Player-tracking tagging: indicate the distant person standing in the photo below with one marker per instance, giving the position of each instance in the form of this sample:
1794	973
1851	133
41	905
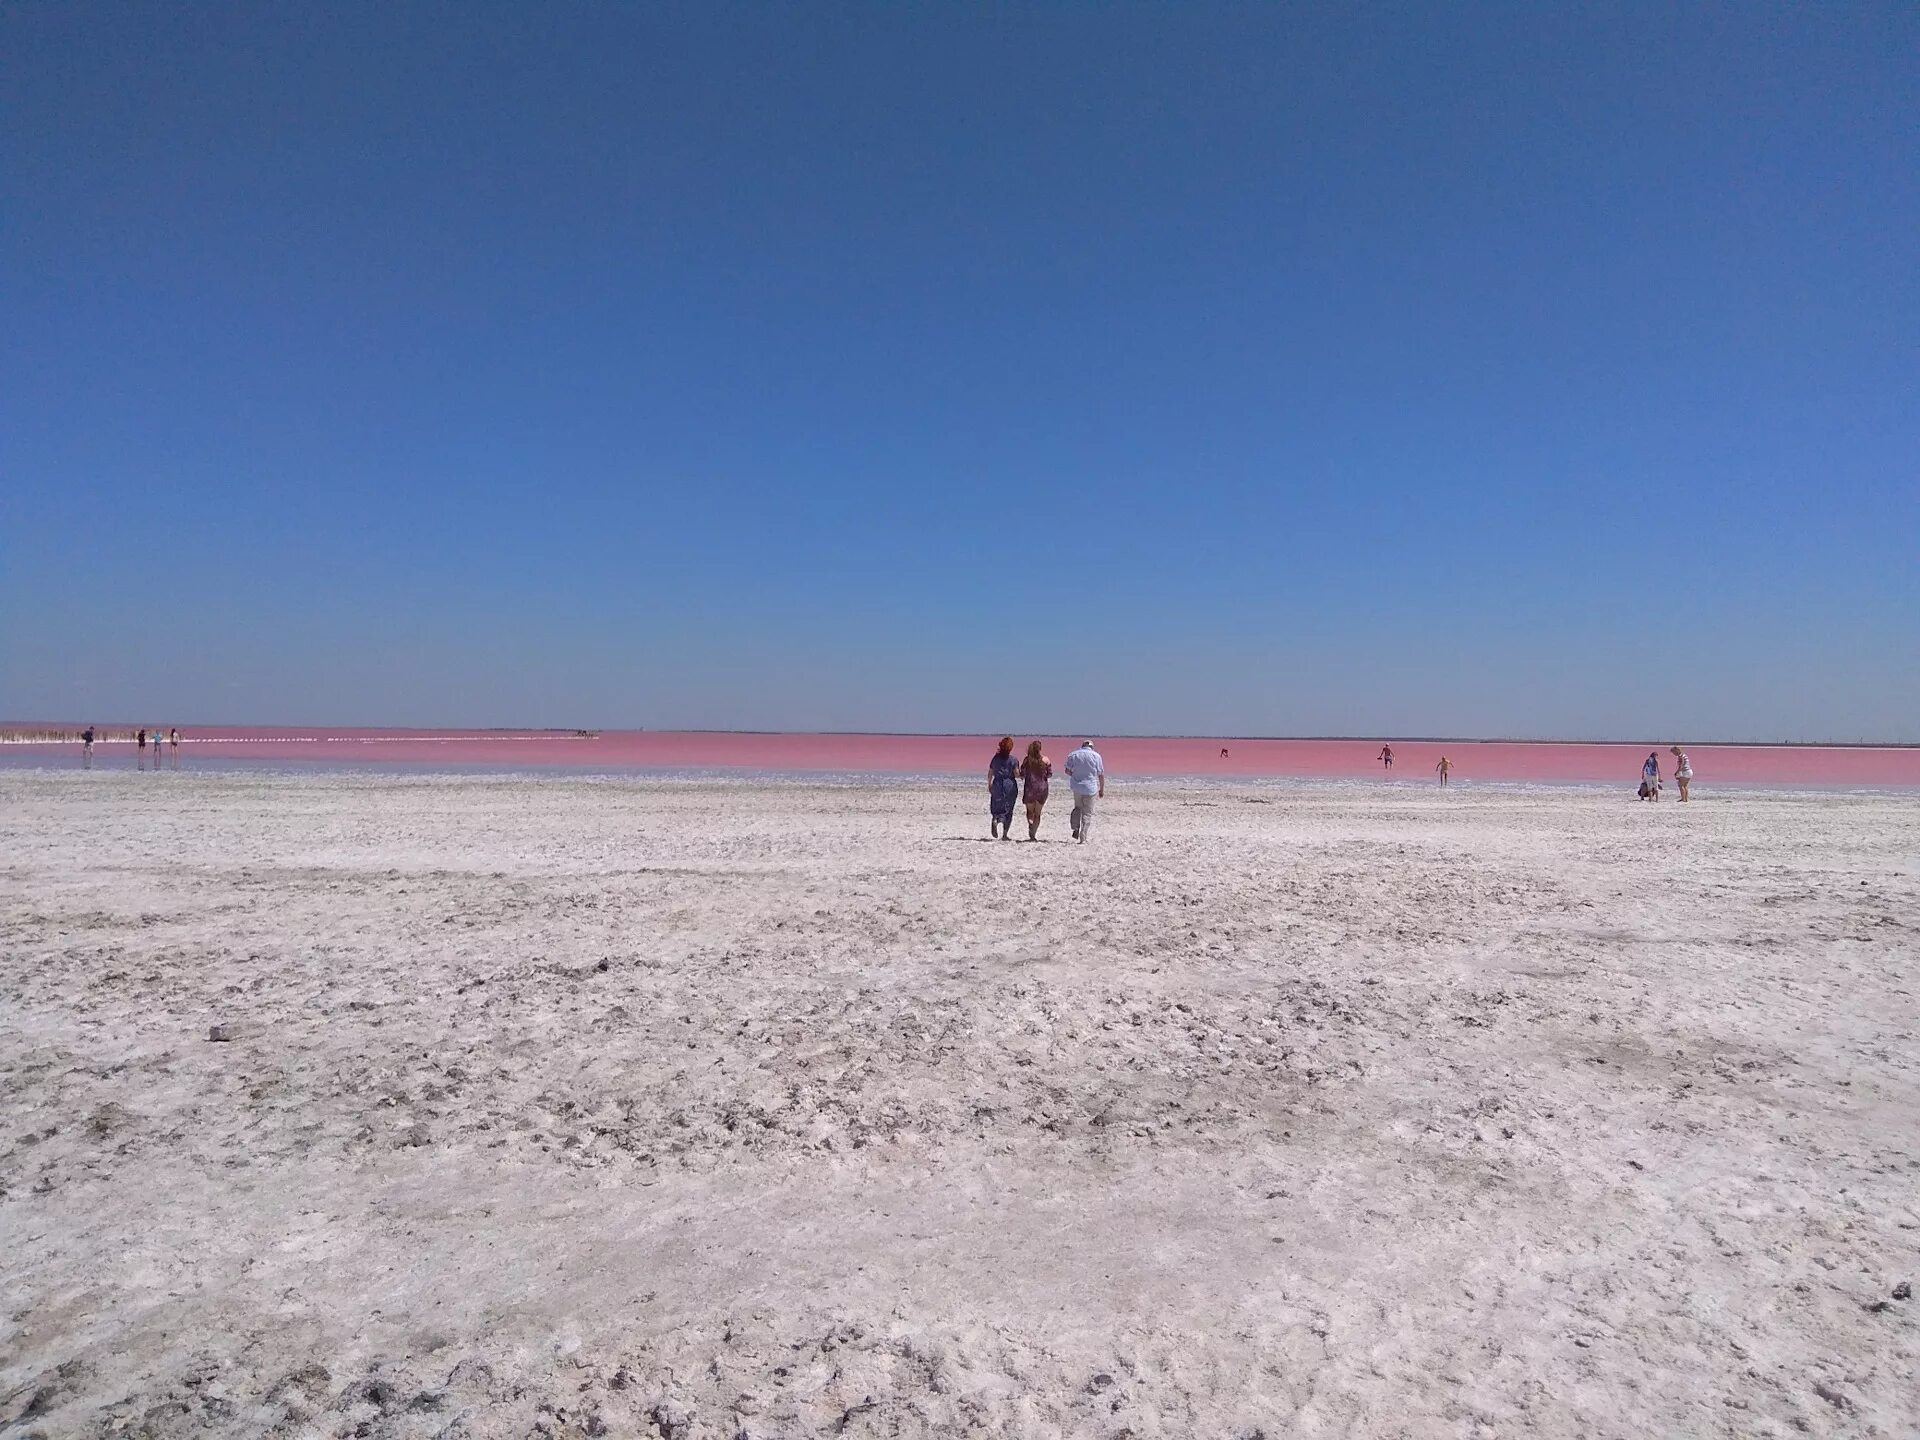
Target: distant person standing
86	748
1003	789
1035	771
1650	776
173	746
1087	774
1682	771
140	749
1445	767
1386	757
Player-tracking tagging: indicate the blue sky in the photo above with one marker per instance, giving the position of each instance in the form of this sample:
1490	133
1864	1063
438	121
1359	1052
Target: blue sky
1506	370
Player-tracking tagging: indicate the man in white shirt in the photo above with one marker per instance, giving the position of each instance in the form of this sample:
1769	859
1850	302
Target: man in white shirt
1087	774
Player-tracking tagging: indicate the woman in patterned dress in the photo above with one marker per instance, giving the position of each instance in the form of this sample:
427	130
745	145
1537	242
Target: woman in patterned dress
1003	788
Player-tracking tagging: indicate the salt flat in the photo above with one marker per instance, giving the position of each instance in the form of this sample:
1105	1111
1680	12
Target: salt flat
567	1107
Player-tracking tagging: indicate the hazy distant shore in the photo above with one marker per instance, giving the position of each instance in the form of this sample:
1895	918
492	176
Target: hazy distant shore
14	733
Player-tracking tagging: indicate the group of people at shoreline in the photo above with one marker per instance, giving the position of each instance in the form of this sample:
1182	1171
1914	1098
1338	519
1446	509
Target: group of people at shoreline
1651	780
166	748
1443	768
1011	782
1650	777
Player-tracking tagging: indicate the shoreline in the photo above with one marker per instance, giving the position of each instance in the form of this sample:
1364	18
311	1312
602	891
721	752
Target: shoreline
935	781
648	752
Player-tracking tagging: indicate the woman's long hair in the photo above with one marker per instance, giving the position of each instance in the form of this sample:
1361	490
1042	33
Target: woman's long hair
1034	753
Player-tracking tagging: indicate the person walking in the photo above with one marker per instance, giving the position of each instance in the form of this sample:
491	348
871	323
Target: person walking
1386	757
1035	771
86	748
1650	776
1087	774
1003	789
1445	767
140	749
1682	771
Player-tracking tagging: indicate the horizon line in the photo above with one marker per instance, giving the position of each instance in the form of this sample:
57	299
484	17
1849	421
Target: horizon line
1383	739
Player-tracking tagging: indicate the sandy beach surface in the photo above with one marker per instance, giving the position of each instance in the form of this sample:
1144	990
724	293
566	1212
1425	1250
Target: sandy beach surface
414	1106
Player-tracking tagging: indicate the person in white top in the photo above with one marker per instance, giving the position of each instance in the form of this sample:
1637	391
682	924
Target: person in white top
1087	774
1682	770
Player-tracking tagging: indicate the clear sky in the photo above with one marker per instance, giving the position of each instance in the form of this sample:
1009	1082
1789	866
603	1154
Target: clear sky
1252	369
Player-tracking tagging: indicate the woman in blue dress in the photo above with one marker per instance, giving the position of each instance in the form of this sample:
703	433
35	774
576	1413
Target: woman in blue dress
1003	789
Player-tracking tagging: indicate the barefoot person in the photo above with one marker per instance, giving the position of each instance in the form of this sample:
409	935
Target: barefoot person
1682	771
1386	757
1650	776
140	750
86	748
173	746
1035	771
1087	774
1445	767
1003	788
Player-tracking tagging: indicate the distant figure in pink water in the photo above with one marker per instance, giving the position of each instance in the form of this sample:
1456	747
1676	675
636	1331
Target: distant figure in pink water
1223	752
1035	771
1386	757
173	746
1445	767
1682	771
140	750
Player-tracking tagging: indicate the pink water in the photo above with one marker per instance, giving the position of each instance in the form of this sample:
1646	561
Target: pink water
967	754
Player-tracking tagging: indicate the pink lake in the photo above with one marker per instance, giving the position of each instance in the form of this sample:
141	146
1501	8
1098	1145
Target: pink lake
967	754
